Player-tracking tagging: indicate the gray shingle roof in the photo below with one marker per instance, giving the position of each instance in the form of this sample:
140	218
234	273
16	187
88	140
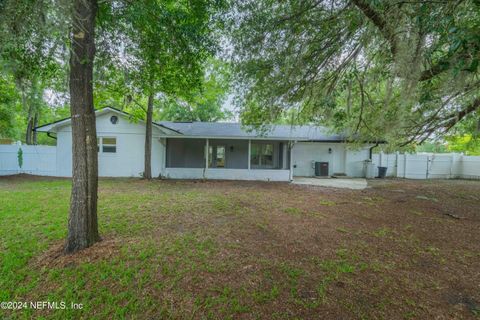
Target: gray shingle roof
236	130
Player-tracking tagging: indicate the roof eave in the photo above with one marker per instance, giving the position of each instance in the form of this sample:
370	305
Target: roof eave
53	126
236	137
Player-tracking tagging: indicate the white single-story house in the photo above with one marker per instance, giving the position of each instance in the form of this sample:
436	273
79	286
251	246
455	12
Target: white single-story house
210	150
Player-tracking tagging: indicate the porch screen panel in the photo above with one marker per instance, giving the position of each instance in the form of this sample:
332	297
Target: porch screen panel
185	153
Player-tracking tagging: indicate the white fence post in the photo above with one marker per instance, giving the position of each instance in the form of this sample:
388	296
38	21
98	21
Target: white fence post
428	166
396	163
452	162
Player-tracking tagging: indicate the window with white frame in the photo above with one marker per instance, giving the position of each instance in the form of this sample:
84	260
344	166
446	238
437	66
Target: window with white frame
107	144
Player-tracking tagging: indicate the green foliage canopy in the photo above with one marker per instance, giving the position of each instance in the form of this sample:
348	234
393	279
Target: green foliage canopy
400	70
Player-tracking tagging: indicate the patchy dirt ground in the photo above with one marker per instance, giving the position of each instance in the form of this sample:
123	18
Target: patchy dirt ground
400	249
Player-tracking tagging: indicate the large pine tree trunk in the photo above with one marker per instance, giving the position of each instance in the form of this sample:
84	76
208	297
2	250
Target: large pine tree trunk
82	222
148	139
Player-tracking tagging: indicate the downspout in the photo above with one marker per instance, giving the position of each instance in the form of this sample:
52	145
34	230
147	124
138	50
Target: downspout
370	154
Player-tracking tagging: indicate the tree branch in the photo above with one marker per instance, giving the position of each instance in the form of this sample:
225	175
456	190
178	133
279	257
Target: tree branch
448	122
454	118
379	22
434	70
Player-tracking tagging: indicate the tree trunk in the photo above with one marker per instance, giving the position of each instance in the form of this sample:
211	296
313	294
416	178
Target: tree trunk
34	133
82	222
28	133
148	139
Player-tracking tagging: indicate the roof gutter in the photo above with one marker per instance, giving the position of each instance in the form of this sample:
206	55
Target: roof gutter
166	127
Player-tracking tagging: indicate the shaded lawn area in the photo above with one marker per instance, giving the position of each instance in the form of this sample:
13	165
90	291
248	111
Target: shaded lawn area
246	250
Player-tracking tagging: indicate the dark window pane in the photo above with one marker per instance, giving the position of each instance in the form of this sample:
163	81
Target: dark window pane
110	149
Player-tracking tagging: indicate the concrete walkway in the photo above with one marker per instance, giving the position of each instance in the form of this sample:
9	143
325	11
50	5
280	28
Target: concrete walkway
346	183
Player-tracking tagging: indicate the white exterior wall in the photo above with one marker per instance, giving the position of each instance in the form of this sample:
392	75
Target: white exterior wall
355	162
227	174
64	154
128	161
341	160
305	153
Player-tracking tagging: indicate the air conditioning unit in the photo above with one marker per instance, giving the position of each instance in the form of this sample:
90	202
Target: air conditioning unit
321	169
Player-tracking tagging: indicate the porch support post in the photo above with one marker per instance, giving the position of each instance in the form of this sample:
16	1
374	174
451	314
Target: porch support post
249	152
163	143
206	155
291	159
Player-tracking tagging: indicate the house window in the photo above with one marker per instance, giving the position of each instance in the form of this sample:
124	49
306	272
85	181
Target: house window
261	155
216	156
107	144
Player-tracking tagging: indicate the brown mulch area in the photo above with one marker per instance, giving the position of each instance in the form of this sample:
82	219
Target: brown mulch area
55	256
424	235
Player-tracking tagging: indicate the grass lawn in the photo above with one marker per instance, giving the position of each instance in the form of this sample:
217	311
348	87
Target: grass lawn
248	250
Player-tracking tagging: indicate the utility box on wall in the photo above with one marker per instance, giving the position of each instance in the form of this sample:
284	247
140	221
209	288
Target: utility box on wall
369	169
321	169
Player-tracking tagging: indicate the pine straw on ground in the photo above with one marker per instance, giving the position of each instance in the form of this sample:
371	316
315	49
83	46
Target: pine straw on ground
246	250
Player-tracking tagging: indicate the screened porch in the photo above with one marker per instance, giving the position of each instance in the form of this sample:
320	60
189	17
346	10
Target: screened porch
227	159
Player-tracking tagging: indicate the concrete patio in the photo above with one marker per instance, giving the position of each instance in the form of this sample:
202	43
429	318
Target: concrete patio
343	183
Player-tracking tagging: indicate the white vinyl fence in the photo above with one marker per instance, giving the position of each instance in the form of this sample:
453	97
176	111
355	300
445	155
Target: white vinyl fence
429	166
41	160
37	160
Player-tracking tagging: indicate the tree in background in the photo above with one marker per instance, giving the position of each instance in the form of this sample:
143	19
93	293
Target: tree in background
9	106
464	137
467	144
402	70
166	46
31	57
27	53
205	103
